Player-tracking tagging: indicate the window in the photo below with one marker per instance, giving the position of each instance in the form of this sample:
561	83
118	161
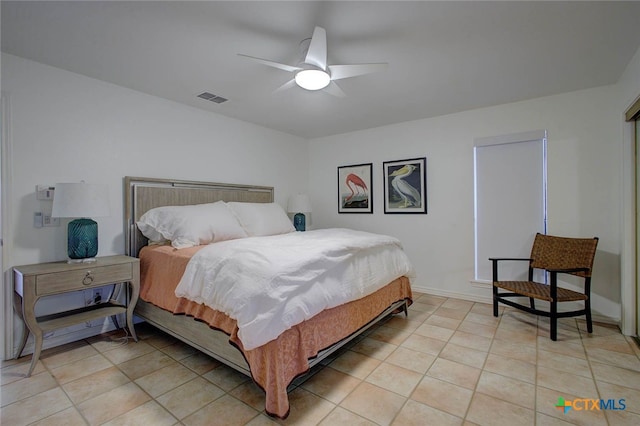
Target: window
510	199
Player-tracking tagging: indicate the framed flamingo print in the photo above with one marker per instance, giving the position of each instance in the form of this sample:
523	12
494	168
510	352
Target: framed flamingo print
354	188
405	186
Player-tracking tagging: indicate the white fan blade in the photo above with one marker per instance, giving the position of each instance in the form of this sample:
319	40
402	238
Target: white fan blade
272	64
345	71
288	85
335	90
317	53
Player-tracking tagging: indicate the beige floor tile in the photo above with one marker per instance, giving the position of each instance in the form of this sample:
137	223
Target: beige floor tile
374	348
27	387
394	378
572	349
476	316
485	309
612	374
389	335
416	414
469	340
486	410
471	327
18	371
127	352
424	344
399	372
145	364
307	408
545	420
331	384
109	341
200	363
95	384
76	353
340	416
565	363
35	408
82	368
227	411
462	355
622	418
190	397
629	361
165	379
179	350
512	350
444	322
443	396
510	367
225	377
610	343
458	304
450	313
68	417
560	381
434	332
454	372
507	389
374	403
355	364
150	413
109	405
411	360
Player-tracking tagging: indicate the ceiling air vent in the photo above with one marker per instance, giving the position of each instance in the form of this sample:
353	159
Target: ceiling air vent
211	97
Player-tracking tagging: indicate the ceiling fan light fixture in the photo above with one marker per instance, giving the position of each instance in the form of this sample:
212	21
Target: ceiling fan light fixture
312	79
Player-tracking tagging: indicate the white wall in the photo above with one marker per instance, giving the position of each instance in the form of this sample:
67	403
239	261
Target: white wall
66	127
584	151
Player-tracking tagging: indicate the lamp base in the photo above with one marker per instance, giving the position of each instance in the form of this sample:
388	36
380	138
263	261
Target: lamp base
299	222
82	239
86	260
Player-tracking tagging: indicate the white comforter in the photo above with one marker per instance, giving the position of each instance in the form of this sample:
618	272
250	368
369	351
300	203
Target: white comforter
269	284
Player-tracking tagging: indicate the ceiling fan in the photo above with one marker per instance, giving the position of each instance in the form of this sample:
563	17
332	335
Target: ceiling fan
313	72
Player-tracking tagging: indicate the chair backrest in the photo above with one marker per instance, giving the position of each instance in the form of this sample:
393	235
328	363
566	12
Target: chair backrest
550	252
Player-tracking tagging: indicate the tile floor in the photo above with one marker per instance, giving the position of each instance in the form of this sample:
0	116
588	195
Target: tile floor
449	363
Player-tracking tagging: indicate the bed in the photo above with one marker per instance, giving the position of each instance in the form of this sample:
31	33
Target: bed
273	365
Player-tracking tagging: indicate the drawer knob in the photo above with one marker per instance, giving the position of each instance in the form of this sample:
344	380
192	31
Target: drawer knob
88	278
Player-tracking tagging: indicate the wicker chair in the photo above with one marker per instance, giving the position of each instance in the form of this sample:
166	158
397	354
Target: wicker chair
555	255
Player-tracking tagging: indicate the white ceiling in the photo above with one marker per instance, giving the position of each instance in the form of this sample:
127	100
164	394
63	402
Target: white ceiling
444	57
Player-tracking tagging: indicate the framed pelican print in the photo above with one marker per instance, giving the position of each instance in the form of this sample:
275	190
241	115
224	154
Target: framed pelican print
405	186
354	188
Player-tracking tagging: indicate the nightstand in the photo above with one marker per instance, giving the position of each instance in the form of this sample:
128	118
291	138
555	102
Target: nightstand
31	282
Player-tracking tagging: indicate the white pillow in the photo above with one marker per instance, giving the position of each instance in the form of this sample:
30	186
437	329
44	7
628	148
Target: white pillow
188	226
261	219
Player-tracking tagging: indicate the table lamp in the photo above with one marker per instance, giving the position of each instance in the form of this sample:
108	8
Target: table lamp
81	201
299	204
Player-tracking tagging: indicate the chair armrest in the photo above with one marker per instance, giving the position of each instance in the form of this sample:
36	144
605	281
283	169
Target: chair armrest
509	258
568	271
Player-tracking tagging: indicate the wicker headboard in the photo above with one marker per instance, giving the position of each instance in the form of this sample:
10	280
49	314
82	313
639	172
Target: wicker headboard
143	194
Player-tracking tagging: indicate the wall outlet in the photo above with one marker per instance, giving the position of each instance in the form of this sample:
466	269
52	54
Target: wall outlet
47	220
94	296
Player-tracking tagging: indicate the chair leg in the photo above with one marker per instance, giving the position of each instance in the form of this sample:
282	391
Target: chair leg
587	308
553	319
532	302
495	301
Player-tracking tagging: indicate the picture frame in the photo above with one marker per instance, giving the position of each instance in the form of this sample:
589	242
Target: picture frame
355	193
405	186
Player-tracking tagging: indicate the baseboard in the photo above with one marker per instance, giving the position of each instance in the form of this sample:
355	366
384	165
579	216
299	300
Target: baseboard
489	300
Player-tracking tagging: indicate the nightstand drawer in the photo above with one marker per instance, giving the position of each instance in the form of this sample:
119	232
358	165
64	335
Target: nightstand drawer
82	278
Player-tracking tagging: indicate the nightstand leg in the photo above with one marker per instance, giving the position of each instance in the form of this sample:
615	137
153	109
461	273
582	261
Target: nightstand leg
135	292
37	348
17	307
